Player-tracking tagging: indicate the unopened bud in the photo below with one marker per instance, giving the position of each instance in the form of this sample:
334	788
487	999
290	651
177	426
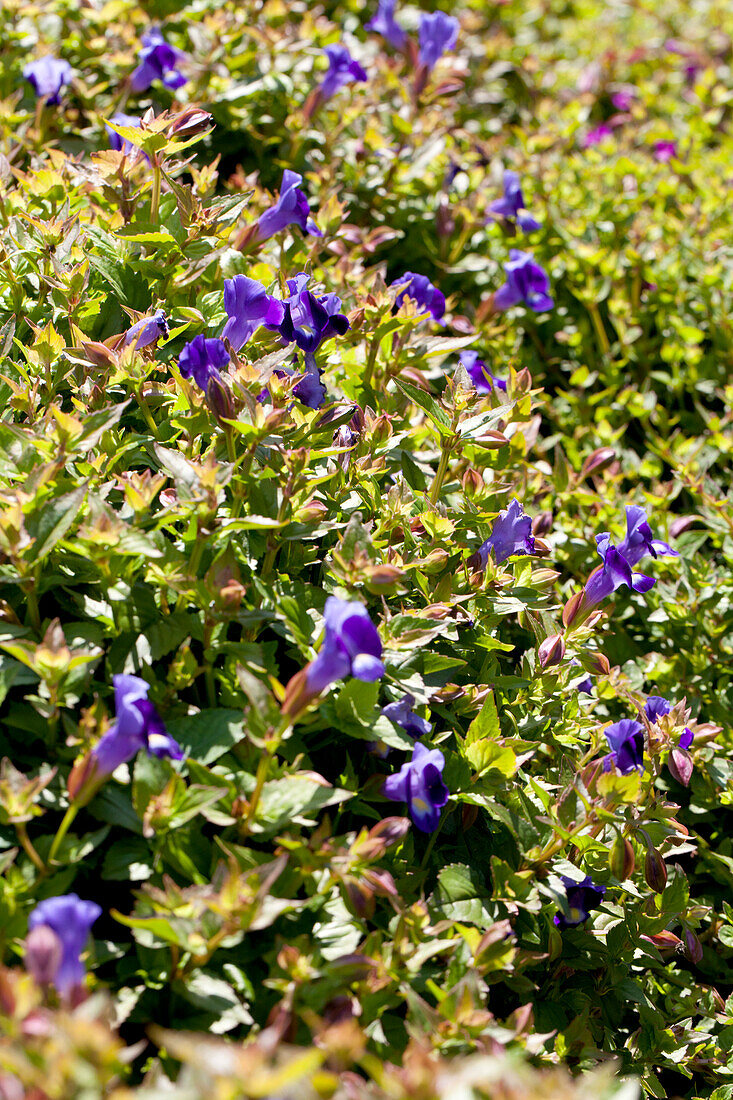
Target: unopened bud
381	428
680	764
359	897
189	123
444	220
435	561
552	651
472	482
313	511
543	578
655	870
231	595
598	460
468	817
383	578
522	381
693	947
219	399
621	858
542	523
492	440
597	664
573	610
43	952
99	354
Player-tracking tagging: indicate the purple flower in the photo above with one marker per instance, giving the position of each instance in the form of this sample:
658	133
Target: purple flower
310	391
342	70
438	32
291	208
248	306
614	572
146	331
626	741
665	150
203	359
309	319
419	783
581	898
351	647
596	136
70	919
656	707
422	292
585	686
402	714
157	61
384	23
122	145
483	379
526	282
623	99
639	540
48	76
511	534
511	206
137	726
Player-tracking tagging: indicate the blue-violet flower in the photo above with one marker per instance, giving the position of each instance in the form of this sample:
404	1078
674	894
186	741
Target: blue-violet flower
422	292
70	919
402	714
526	282
511	534
137	726
291	208
202	359
437	33
157	61
384	23
483	379
639	540
248	306
582	897
626	741
342	70
419	783
48	76
511	206
614	572
147	331
351	647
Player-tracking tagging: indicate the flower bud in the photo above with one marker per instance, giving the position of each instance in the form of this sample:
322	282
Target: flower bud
543	578
542	523
435	561
573	611
381	428
99	354
598	460
693	947
552	651
468	817
597	664
42	954
621	858
190	123
444	220
359	897
472	482
655	870
313	511
383	578
680	764
219	399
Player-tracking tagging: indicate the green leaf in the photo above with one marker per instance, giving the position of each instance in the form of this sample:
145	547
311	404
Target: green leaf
428	404
54	520
209	734
292	798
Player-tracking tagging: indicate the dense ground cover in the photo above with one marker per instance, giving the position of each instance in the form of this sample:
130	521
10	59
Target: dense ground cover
366	576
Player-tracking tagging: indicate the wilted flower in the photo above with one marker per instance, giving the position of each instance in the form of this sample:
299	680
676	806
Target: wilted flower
309	319
202	359
626	741
402	714
248	306
48	76
639	540
116	141
157	61
614	573
511	206
483	379
291	208
342	70
655	708
526	282
146	331
665	150
437	33
384	23
70	919
582	897
351	647
137	726
419	783
422	292
511	534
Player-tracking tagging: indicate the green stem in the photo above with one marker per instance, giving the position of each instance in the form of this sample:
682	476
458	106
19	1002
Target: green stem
442	470
193	567
28	848
263	768
145	410
371	361
431	843
69	816
597	320
155	192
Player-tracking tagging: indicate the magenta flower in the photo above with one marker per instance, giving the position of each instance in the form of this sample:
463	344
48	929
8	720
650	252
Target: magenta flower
511	205
526	282
342	70
623	99
157	61
438	33
384	23
664	151
248	306
202	359
48	76
291	208
422	292
483	379
70	919
351	647
419	783
626	741
582	897
596	136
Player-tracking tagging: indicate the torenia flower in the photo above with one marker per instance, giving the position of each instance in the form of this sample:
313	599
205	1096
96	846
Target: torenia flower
147	331
639	540
384	23
582	897
483	379
291	208
248	306
351	647
309	319
511	206
137	726
202	359
157	61
626	741
48	76
70	919
419	783
526	282
596	136
116	141
438	32
422	292
614	573
665	151
511	534
342	70
402	714
656	707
